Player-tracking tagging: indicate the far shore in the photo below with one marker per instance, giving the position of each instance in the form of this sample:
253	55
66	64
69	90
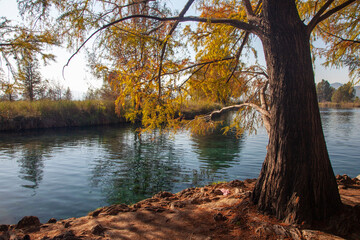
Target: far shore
339	105
23	115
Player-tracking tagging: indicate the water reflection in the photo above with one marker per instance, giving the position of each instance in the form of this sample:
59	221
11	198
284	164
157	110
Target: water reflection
31	164
106	165
135	167
218	151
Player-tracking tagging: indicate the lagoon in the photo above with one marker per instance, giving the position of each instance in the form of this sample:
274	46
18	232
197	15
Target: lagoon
66	173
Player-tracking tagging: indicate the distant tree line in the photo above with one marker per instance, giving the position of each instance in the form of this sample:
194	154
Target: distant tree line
345	93
30	85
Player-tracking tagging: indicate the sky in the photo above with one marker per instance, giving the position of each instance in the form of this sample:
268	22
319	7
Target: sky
79	79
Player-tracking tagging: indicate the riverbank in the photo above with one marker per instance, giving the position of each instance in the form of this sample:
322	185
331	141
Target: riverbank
221	211
339	105
23	115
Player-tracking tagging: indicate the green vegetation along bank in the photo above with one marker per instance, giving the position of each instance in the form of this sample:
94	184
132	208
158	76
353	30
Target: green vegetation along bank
21	115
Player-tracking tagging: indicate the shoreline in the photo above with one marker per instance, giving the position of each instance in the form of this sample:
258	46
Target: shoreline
339	105
220	211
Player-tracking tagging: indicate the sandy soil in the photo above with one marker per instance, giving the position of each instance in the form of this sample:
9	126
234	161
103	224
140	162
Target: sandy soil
221	211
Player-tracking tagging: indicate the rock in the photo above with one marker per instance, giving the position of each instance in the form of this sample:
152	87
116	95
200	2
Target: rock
95	213
177	204
195	201
163	195
26	237
344	179
98	230
69	235
219	217
67	225
4	227
110	210
358	177
236	183
218	192
52	220
28	221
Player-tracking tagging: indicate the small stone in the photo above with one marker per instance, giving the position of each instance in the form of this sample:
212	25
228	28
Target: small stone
98	230
67	225
358	177
163	195
219	217
95	213
28	221
52	220
26	237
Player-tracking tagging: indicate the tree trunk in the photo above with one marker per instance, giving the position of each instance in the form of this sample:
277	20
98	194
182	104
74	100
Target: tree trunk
296	183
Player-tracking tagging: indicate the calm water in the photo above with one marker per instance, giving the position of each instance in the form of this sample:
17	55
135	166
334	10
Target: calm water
67	173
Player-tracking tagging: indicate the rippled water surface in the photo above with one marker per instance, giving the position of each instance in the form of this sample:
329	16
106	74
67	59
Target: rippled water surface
69	172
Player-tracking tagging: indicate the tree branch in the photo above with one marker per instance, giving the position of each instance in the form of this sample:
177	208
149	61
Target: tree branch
232	22
248	8
182	13
217	113
326	15
342	39
315	19
237	57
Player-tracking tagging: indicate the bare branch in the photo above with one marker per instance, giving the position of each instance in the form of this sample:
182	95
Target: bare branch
182	13
342	39
192	74
232	22
217	113
326	15
237	57
198	64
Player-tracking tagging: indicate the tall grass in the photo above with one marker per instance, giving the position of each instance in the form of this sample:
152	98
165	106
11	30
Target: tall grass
193	108
339	105
46	113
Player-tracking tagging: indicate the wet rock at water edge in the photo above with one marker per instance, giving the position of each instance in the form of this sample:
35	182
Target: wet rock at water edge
52	220
163	195
28	221
4	227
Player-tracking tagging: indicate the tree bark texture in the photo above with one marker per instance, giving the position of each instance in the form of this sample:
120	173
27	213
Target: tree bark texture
296	183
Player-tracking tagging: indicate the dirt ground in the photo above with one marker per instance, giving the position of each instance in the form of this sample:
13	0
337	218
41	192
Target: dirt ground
221	211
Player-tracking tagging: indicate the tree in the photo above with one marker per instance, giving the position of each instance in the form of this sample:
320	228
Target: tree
30	77
345	93
296	182
68	94
324	91
16	41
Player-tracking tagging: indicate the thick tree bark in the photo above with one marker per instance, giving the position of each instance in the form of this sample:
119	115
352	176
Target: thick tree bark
296	183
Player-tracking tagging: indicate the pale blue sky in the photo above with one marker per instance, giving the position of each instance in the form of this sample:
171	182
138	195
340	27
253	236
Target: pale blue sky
78	78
